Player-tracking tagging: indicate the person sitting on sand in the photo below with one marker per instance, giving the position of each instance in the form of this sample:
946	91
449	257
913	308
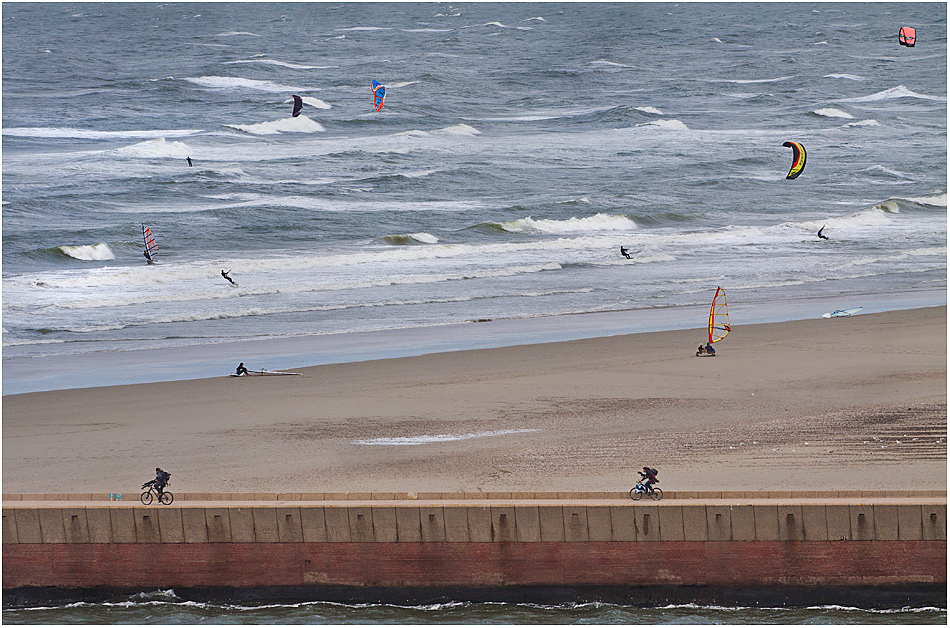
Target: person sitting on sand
241	370
701	350
709	349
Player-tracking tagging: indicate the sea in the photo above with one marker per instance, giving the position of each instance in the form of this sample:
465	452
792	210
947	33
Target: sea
485	203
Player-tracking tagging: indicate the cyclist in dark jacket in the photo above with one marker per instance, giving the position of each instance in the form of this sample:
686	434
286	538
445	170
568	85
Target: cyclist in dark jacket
648	476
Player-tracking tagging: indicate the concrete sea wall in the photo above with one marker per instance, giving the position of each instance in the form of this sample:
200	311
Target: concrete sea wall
502	541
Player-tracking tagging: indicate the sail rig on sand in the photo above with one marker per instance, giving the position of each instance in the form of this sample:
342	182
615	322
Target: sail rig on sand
718	317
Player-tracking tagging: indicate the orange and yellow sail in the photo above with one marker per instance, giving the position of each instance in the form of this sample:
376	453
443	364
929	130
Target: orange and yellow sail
718	317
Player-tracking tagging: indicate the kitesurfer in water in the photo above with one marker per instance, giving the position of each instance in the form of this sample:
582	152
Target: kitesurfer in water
823	237
188	159
224	273
241	370
624	252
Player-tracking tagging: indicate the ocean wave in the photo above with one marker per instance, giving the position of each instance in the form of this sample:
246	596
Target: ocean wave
862	123
236	33
499	25
829	112
300	124
672	125
65	132
598	222
411	238
153	149
283	64
230	82
88	252
890	94
751	81
426	439
850	77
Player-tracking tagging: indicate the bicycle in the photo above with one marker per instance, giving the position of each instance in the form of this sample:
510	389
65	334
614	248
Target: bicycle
638	491
165	497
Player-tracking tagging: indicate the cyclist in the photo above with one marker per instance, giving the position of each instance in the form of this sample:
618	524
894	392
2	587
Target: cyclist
648	477
160	481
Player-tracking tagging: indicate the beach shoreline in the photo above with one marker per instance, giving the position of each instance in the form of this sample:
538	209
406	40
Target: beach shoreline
853	403
197	359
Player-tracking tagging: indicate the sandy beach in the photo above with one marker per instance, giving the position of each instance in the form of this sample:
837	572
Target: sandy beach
846	403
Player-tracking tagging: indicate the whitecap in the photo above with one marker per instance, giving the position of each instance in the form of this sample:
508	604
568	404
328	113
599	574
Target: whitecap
156	149
88	252
889	94
597	222
829	112
236	33
230	82
863	123
300	124
653	110
66	132
458	129
283	64
672	125
850	77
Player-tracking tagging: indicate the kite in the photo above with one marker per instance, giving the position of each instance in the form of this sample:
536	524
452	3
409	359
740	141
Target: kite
298	105
907	36
379	91
798	159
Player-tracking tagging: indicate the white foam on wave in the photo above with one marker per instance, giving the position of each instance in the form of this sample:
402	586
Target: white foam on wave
426	439
312	102
300	124
829	112
88	252
850	77
750	81
598	222
236	33
283	64
890	94
66	132
653	110
861	123
400	84
458	129
938	199
230	82
671	125
500	25
410	238
153	149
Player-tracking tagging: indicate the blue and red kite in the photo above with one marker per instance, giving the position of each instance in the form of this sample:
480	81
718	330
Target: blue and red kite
379	91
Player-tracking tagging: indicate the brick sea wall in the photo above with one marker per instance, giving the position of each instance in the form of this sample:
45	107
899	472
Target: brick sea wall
464	543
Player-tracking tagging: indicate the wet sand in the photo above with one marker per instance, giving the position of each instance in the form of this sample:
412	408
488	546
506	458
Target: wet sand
853	403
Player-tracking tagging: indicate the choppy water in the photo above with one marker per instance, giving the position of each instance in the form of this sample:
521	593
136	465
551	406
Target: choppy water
520	145
166	608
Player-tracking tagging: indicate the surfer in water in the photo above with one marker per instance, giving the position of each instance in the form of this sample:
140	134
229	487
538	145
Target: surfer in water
188	159
820	235
147	256
224	273
625	252
241	370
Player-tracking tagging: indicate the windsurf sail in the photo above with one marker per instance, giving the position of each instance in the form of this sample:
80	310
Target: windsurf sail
379	93
718	317
151	249
907	36
849	312
798	159
298	105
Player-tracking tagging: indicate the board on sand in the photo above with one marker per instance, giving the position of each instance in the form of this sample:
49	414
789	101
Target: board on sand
262	372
